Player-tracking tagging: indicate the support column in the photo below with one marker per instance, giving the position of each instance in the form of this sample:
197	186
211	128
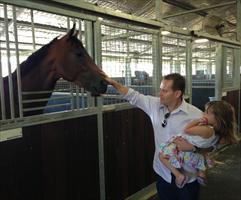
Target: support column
98	60
189	70
219	72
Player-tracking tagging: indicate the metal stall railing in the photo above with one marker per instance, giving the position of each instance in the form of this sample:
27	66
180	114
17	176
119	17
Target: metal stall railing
203	72
127	56
22	35
175	56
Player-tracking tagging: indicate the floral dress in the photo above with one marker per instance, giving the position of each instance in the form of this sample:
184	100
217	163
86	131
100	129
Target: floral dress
191	159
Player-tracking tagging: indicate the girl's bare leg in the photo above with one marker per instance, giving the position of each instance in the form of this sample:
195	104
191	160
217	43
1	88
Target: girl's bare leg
178	175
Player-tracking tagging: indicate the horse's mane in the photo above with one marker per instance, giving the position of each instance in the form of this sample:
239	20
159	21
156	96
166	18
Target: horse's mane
35	59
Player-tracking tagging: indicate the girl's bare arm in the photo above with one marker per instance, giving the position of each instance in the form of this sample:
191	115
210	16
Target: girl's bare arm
199	127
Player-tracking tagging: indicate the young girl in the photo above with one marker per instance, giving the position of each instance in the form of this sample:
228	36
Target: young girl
216	125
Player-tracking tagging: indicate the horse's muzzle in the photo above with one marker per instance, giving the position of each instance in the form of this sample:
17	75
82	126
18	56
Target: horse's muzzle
99	89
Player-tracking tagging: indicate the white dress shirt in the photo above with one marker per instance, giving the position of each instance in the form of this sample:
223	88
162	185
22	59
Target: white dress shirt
175	123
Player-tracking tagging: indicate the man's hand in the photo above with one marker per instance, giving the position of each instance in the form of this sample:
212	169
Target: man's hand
121	88
183	145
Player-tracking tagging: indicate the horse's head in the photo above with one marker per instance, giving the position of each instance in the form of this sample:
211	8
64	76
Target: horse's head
74	64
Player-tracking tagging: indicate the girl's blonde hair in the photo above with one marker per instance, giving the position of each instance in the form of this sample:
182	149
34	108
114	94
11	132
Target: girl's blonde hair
226	121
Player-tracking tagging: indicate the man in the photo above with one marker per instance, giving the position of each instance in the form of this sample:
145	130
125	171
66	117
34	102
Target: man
169	114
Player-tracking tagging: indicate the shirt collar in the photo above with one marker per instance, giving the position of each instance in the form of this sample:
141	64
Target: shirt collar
183	107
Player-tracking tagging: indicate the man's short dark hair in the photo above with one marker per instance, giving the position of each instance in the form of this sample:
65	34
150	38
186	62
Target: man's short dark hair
178	81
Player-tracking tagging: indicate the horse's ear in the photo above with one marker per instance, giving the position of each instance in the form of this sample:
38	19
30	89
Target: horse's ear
76	33
72	31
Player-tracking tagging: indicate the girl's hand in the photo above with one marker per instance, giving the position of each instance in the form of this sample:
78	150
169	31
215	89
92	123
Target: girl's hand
203	121
183	145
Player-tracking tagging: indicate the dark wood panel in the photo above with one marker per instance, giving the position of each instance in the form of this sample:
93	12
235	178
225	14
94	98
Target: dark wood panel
20	167
233	98
59	161
52	161
129	150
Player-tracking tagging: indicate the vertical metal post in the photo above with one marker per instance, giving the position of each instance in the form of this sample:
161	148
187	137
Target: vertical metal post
33	29
98	60
209	67
238	20
219	71
71	86
82	89
157	61
89	46
189	69
19	85
157	49
127	61
239	58
177	63
158	9
237	81
3	109
77	87
10	80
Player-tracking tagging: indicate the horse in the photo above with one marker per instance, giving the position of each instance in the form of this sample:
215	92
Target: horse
61	58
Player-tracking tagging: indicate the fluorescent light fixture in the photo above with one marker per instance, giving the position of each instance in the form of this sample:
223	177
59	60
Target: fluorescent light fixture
201	40
165	32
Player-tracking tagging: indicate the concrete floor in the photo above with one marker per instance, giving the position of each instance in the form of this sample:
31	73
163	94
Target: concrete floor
224	179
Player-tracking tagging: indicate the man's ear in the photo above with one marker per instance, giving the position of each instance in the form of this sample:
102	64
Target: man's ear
178	93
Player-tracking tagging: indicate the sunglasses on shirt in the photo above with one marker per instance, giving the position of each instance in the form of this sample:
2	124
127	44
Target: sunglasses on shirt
164	122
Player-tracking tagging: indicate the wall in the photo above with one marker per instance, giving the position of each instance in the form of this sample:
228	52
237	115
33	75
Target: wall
60	160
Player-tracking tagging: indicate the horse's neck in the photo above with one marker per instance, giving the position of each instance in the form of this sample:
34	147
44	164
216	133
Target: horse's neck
41	78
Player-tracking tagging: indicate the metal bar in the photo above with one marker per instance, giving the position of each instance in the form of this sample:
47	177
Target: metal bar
238	20
189	69
51	7
184	6
97	48
127	61
237	64
200	9
108	13
129	27
19	84
157	61
3	110
81	89
33	29
46	118
37	92
158	9
77	87
38	25
43	107
71	87
89	35
216	38
10	80
44	99
219	72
